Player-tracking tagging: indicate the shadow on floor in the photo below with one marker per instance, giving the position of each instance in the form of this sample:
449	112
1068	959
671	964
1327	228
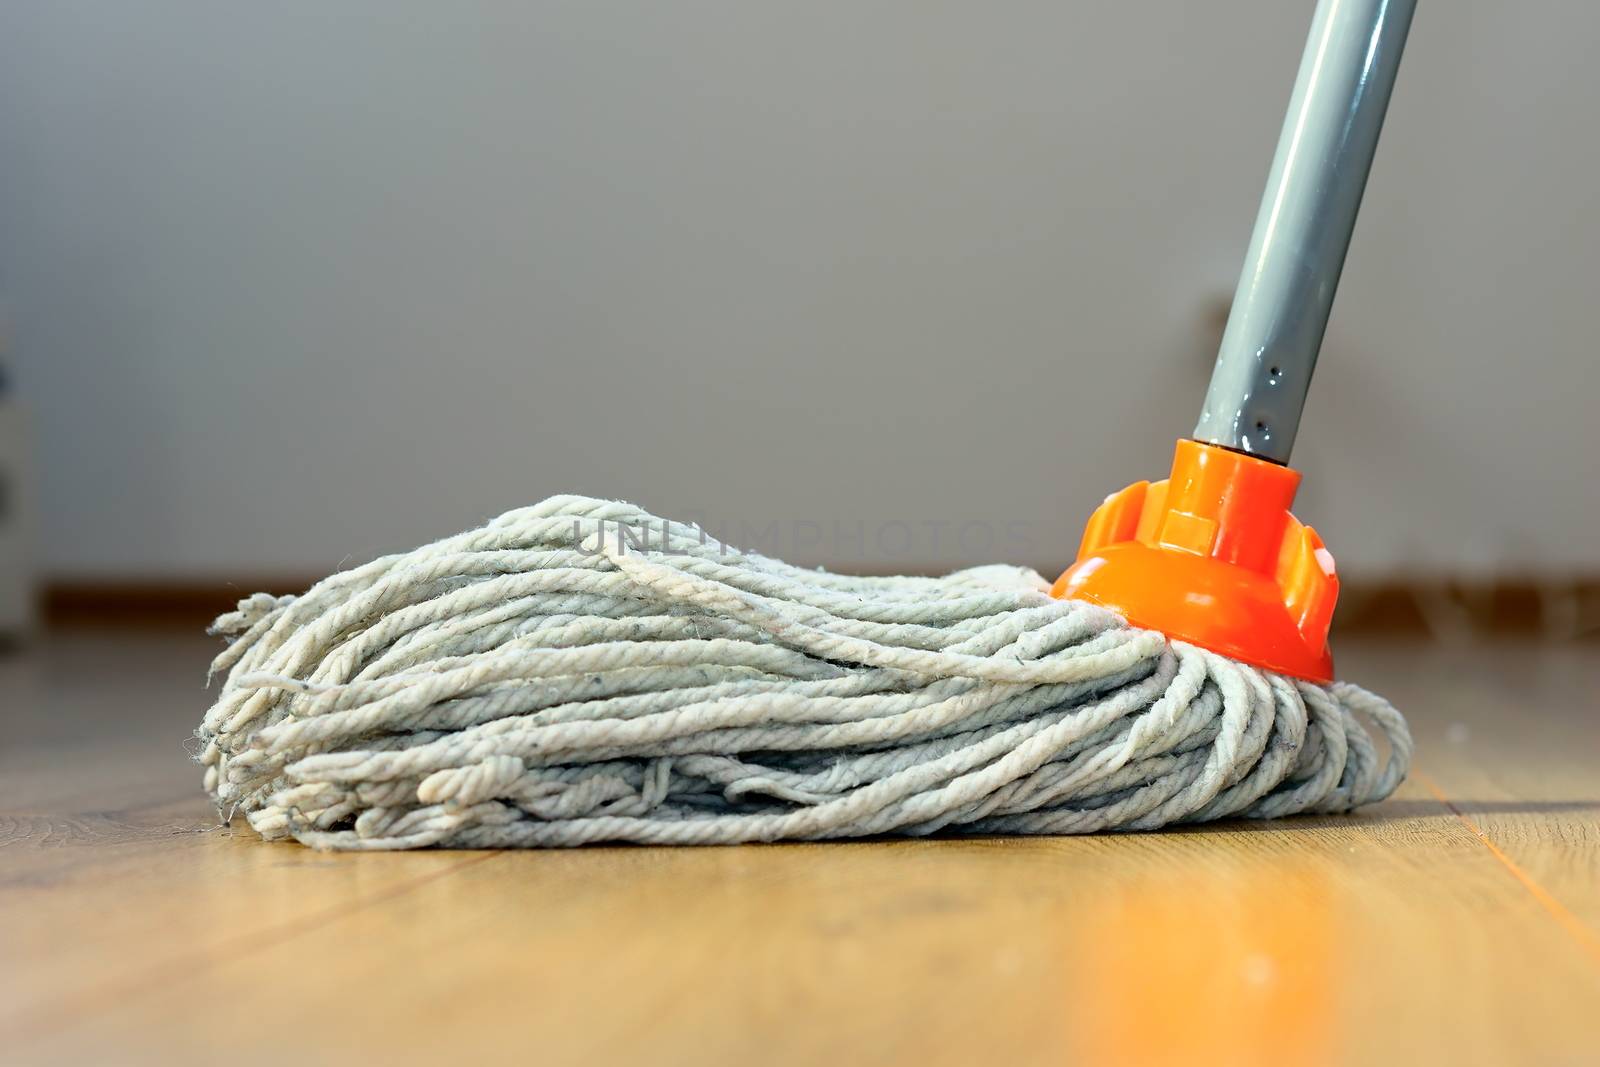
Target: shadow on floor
1393	811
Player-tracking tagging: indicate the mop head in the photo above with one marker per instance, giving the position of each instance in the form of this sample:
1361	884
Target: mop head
582	671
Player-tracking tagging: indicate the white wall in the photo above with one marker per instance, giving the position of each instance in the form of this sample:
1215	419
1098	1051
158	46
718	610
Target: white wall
291	283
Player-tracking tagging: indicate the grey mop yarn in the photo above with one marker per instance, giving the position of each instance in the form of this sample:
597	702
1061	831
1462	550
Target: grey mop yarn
582	671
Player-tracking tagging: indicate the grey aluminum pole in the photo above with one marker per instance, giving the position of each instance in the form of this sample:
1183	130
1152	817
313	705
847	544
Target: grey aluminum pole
1280	308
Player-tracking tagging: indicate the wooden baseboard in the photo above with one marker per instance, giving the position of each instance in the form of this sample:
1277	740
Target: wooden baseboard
170	603
1561	608
1566	608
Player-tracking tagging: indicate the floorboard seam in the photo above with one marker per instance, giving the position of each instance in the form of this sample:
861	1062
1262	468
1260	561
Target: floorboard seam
72	1007
1575	927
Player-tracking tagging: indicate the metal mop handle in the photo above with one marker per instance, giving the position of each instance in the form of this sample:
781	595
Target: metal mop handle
1280	308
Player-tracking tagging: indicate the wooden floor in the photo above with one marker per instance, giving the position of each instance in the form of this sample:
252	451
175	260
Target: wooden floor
1457	923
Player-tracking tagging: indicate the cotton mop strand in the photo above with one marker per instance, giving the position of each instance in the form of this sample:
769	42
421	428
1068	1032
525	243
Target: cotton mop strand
543	680
582	671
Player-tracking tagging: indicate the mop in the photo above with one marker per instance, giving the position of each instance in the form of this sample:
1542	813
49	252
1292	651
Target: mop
583	671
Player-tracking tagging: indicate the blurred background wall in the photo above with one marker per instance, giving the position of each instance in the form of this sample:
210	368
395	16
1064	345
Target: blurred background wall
286	285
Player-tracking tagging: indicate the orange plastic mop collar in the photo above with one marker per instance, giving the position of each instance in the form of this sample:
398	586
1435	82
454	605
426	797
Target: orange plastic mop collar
1212	556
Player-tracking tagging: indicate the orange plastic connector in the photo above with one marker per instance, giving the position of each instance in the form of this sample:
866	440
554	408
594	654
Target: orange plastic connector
1212	556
